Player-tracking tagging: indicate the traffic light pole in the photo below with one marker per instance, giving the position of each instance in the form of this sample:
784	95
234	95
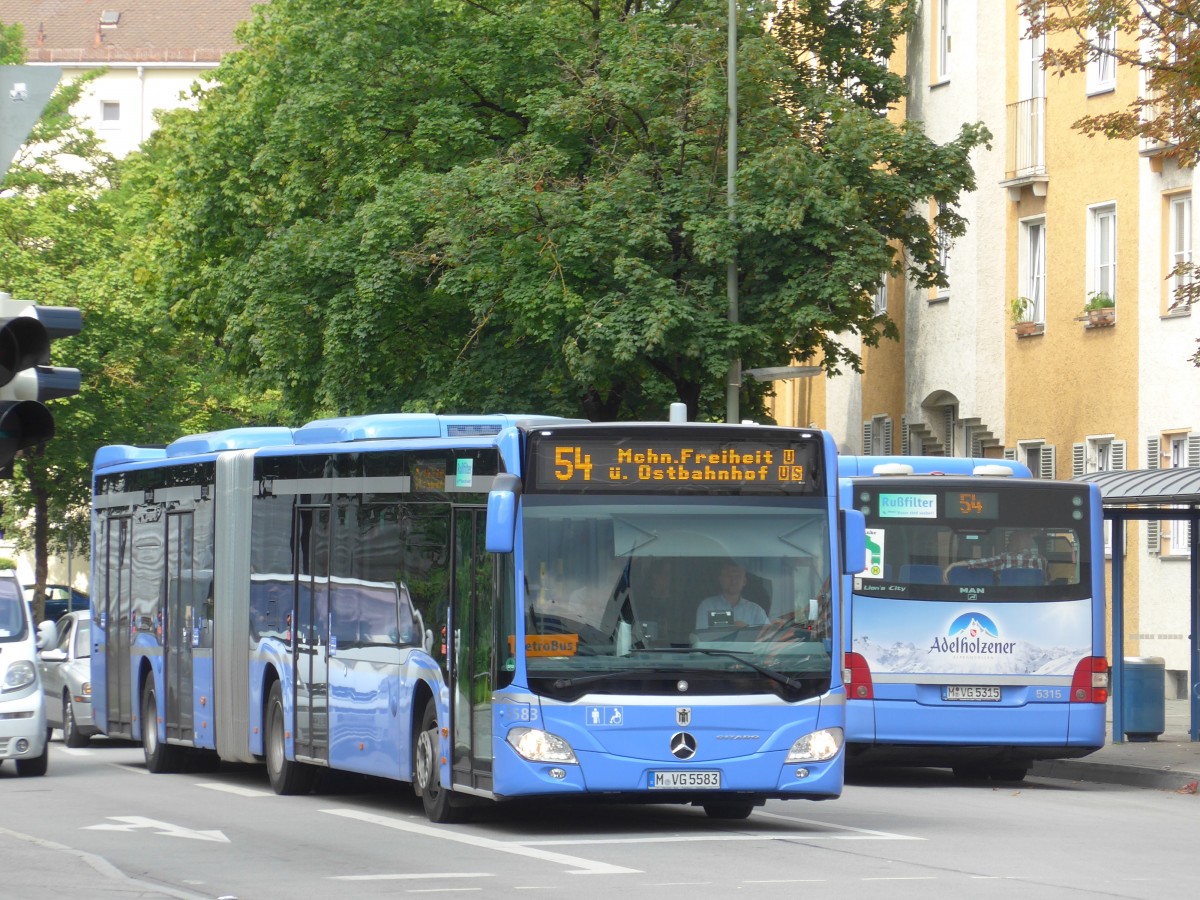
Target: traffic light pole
27	379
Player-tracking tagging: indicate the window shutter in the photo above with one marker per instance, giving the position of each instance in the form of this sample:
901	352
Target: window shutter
1118	455
1078	460
948	414
887	436
1010	453
866	439
903	436
1047	462
1153	527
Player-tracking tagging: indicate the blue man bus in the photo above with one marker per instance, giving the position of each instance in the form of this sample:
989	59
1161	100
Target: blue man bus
975	636
488	607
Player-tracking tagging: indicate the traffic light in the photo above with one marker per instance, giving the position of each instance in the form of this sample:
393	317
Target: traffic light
26	378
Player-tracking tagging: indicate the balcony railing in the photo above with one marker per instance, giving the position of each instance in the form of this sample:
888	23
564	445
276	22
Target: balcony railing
1025	148
1026	138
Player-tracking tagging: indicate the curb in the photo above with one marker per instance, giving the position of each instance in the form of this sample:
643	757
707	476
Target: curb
1163	779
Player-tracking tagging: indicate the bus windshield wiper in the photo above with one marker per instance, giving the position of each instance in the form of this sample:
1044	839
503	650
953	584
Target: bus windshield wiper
605	676
785	680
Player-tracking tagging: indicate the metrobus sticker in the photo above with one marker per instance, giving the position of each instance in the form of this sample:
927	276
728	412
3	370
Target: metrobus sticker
547	644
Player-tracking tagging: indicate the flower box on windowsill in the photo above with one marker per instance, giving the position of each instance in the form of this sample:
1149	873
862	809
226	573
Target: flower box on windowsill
1028	329
1099	318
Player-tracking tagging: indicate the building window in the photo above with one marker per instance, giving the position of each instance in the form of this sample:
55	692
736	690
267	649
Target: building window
942	71
110	112
877	436
880	300
1037	455
1179	257
1033	268
1102	68
1102	276
1102	453
944	243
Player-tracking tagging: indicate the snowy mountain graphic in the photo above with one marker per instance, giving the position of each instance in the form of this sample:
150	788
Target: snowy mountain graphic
973	625
1026	659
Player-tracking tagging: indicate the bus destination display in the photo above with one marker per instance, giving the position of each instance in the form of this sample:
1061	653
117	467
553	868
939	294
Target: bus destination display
622	463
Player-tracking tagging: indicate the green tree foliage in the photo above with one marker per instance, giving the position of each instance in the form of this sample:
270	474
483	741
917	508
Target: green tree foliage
521	204
75	230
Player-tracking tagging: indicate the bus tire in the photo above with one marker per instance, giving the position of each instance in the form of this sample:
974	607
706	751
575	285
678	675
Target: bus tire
287	776
1009	772
161	757
441	805
728	809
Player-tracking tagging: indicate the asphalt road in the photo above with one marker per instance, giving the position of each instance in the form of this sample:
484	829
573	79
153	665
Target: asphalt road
100	826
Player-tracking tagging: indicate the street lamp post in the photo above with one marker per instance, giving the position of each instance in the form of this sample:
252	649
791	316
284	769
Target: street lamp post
734	380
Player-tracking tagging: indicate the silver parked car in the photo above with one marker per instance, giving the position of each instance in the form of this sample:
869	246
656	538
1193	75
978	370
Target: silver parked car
66	667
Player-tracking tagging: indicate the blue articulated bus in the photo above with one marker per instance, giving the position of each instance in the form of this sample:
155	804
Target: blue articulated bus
488	607
974	638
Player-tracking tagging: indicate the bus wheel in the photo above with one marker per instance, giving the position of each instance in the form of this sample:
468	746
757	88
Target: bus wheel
160	756
1010	772
971	773
287	776
71	734
730	809
441	805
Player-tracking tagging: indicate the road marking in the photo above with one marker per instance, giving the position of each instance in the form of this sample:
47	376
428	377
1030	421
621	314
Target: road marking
107	869
411	877
855	832
235	789
577	866
166	829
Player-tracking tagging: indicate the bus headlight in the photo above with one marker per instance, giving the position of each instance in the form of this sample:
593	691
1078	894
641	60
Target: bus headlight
20	674
540	746
816	746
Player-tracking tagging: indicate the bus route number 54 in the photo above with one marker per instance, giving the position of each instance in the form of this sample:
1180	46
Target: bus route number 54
572	462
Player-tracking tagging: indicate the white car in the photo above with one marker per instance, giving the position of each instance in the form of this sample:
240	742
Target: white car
66	666
22	706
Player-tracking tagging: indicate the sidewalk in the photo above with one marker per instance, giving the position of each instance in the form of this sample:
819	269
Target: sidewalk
1171	763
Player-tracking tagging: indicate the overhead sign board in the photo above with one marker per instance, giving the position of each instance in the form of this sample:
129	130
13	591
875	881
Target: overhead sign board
24	92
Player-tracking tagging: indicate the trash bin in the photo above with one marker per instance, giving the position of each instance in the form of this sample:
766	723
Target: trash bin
1143	698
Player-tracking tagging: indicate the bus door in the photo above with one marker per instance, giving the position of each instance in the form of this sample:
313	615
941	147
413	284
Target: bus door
311	614
112	641
472	650
177	628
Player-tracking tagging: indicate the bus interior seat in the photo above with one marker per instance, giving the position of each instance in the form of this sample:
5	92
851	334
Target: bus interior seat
921	573
971	576
1022	576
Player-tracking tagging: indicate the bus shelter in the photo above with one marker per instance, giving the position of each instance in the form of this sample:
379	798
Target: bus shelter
1148	495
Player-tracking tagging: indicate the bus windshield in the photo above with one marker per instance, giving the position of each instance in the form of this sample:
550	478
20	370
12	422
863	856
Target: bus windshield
633	594
933	539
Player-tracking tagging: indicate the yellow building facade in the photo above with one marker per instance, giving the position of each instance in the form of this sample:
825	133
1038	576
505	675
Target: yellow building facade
1058	221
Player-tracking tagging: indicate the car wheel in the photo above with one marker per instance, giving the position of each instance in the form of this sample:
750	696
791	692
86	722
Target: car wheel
287	776
71	734
35	765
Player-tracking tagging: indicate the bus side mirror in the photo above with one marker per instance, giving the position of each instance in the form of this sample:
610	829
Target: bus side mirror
501	532
853	526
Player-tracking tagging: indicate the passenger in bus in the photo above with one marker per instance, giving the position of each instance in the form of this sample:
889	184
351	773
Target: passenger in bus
729	607
1021	553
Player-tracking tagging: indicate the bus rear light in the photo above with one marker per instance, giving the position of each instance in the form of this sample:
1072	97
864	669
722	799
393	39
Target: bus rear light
1090	682
857	676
